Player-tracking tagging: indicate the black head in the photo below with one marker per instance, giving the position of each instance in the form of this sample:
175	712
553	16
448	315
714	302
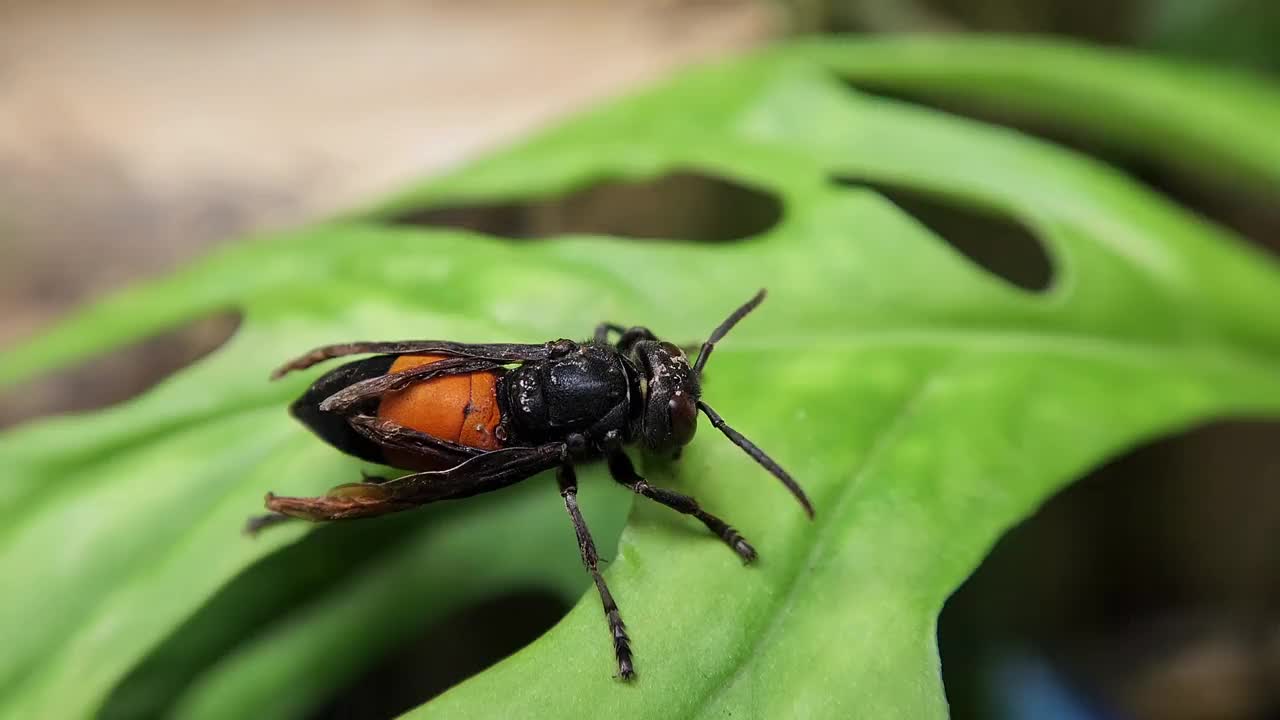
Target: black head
673	397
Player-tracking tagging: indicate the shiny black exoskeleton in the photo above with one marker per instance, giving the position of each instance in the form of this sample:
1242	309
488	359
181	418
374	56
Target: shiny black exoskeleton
557	403
640	389
580	389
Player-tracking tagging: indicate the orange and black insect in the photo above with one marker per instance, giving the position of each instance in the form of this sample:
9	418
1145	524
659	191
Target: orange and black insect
470	418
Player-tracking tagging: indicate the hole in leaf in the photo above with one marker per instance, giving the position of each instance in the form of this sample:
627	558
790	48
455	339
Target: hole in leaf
1148	589
280	590
1252	213
685	205
264	593
1002	245
118	375
456	648
1111	23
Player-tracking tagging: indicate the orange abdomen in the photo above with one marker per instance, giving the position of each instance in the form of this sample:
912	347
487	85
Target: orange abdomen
459	408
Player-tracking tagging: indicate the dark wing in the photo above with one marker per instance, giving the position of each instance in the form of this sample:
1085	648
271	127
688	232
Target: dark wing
499	352
366	436
388	434
369	388
481	474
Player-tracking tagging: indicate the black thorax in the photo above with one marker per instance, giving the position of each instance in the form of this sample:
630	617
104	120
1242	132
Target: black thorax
584	388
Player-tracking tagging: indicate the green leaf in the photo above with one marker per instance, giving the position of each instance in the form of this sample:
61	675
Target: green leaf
925	404
1179	113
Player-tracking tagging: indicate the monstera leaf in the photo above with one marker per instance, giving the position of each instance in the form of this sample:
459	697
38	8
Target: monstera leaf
925	403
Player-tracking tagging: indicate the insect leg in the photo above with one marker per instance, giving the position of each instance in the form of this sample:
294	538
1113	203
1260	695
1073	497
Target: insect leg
633	335
258	523
625	473
601	334
627	336
621	643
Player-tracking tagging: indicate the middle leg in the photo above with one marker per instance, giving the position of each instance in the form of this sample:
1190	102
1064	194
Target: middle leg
590	558
625	473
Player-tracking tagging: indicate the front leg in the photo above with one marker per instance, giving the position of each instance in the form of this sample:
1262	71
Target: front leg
590	558
625	473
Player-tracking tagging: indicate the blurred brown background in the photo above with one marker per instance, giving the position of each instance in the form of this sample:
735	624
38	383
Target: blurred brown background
134	134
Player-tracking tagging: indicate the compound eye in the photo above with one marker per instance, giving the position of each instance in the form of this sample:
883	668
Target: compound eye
682	411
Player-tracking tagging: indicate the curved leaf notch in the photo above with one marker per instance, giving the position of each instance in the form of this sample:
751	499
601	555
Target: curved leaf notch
926	404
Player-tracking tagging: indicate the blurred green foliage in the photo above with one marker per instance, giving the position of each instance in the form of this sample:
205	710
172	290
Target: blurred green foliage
1226	32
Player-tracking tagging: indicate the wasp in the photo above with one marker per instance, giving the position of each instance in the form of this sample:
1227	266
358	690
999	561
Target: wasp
467	419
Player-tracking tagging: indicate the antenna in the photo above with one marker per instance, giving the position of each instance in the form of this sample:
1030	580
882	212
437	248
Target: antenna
734	436
758	455
718	334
